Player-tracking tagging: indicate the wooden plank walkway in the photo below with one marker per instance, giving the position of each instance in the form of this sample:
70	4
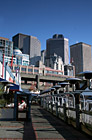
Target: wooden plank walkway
43	126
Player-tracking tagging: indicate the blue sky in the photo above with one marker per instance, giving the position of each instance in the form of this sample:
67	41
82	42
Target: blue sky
43	18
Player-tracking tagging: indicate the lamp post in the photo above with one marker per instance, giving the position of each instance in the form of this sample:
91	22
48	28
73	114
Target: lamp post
52	99
88	76
64	85
57	87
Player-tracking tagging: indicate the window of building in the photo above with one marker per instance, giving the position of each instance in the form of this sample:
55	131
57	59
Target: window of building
30	70
35	70
23	69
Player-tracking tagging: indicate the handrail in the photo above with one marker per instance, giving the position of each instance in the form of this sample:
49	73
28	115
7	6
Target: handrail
11	74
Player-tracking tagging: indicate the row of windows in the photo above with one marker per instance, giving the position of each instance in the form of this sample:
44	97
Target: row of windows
37	71
6	43
53	72
24	69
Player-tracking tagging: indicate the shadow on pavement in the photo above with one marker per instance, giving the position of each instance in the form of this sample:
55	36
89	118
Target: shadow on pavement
29	133
67	132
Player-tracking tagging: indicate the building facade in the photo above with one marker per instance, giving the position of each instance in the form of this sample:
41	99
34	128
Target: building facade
55	62
80	53
29	45
17	58
58	45
69	70
6	47
43	55
21	59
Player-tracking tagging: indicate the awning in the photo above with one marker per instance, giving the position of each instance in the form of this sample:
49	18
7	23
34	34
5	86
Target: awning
14	87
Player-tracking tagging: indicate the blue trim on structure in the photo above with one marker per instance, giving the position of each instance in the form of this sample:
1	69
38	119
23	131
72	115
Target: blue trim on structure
1	79
14	87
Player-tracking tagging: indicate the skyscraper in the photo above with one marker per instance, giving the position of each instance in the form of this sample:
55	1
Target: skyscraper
58	45
6	46
28	45
80	53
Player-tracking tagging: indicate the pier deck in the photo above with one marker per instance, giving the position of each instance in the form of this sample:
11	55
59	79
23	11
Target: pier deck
43	126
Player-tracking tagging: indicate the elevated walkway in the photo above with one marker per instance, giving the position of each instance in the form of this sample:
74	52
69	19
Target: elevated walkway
43	126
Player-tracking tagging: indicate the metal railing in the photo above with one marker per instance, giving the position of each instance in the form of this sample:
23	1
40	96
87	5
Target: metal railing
64	106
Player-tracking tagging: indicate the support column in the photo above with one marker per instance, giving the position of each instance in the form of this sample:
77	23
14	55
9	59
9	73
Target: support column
57	109
77	99
25	81
37	81
64	111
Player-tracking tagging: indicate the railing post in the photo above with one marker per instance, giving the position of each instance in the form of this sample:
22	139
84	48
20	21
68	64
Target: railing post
57	108
77	117
52	107
64	111
57	103
41	102
77	99
52	101
48	106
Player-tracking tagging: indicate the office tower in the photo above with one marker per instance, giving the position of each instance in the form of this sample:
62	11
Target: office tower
6	46
80	53
28	45
58	45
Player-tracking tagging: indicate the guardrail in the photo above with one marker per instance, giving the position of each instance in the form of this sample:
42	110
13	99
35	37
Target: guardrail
64	106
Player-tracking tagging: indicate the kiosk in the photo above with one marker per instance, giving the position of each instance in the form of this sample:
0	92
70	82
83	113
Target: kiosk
22	105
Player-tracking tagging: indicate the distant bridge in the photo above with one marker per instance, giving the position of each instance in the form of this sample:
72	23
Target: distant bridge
39	78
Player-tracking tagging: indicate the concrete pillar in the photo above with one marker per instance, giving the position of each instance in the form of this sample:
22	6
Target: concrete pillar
37	81
33	69
54	83
27	69
25	81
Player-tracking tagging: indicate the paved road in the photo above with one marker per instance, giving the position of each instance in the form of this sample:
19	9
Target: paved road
43	126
